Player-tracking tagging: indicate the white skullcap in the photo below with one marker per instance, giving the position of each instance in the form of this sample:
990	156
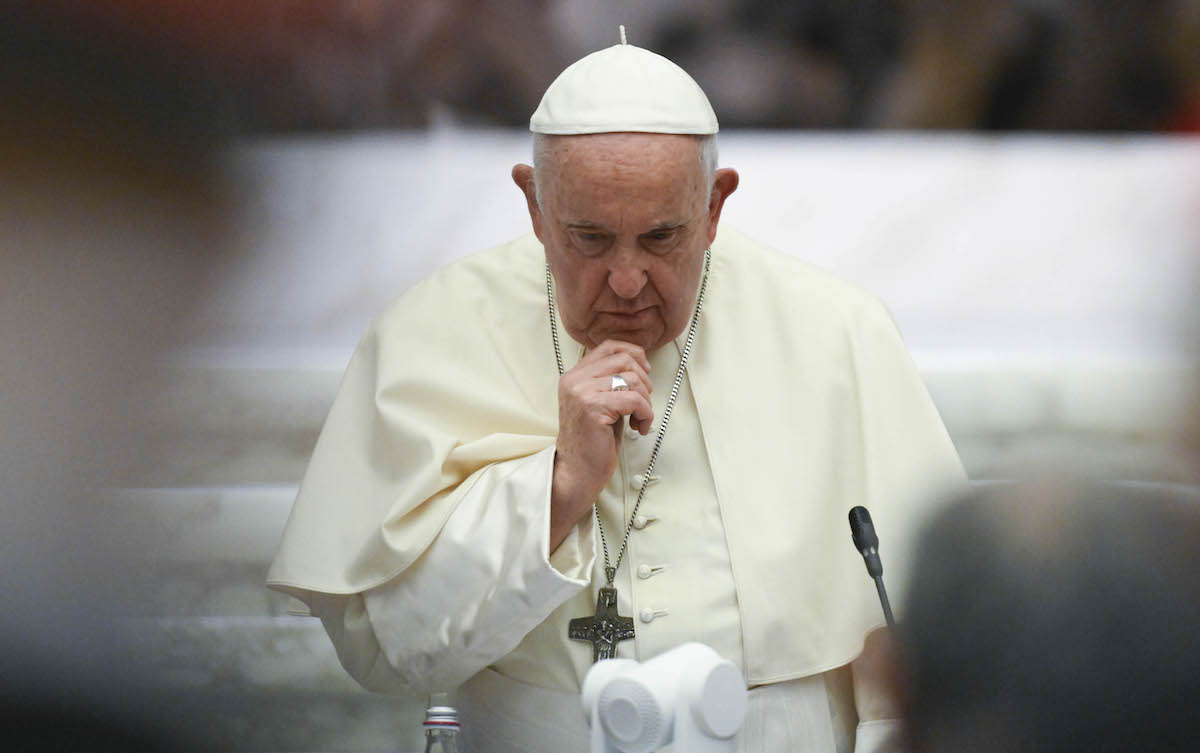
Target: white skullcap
623	88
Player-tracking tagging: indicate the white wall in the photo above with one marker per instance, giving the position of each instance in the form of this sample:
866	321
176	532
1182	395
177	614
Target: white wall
1019	244
1041	282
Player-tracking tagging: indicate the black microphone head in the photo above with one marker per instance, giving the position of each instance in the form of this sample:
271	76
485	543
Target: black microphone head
862	529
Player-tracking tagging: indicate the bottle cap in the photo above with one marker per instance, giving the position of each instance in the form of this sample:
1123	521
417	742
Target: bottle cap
441	716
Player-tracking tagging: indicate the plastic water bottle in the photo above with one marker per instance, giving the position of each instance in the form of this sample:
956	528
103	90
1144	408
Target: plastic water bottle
441	730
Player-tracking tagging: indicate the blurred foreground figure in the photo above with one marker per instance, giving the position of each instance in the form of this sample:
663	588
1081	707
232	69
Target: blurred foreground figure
621	433
111	209
1055	619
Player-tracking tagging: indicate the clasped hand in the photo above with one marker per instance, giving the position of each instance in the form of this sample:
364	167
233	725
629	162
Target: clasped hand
590	423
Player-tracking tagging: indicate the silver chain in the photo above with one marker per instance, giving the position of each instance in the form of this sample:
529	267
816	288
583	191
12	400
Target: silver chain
610	571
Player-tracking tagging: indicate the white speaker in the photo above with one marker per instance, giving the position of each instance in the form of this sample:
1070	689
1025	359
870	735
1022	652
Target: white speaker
689	696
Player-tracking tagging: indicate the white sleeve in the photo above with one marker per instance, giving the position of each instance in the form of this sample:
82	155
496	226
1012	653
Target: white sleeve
481	586
880	729
879	736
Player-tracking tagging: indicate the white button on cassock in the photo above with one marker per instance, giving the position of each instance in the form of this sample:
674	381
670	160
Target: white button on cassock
640	479
649	615
646	571
641	521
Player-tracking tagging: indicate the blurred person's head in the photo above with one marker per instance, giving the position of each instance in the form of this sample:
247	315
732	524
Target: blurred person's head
112	215
1056	617
112	212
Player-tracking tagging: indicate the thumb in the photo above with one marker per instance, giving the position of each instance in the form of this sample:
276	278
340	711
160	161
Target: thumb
618	428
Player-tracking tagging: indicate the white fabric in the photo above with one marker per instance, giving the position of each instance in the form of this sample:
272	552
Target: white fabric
487	594
690	588
436	633
505	589
879	735
808	401
623	88
501	715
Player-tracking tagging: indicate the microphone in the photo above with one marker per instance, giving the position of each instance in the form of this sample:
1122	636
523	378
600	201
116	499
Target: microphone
862	530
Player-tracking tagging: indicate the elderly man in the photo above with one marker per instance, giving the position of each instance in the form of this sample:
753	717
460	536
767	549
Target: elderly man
625	432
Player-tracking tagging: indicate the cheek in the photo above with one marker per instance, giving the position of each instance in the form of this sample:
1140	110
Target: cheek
677	284
579	286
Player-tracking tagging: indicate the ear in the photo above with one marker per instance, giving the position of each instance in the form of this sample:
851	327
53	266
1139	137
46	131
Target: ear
522	175
725	182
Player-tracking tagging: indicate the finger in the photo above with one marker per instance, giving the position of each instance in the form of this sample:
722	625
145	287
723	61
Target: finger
612	347
582	384
618	398
626	403
619	363
635	381
641	427
618	428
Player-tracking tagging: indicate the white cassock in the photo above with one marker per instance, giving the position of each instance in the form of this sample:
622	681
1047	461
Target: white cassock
421	533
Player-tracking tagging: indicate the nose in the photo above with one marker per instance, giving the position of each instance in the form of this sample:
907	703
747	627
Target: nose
627	273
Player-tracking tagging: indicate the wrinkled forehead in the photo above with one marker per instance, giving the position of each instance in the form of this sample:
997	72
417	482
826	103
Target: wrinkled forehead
644	150
670	160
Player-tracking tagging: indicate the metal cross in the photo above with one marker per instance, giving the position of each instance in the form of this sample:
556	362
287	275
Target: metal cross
605	629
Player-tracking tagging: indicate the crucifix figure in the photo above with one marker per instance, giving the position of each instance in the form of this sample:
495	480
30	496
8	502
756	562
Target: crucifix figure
605	629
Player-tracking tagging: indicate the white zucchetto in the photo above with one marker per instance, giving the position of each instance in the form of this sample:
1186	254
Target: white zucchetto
624	88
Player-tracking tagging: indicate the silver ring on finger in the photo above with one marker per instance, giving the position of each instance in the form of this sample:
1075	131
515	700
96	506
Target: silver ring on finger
618	383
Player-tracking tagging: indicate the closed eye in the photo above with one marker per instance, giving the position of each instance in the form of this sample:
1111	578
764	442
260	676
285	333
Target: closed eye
587	240
661	240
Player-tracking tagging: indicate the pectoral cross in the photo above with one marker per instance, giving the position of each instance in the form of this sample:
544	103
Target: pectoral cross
605	629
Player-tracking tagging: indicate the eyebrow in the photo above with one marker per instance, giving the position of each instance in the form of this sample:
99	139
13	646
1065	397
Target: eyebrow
588	225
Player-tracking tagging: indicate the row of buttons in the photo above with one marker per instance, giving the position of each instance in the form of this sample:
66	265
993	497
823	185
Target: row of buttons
639	480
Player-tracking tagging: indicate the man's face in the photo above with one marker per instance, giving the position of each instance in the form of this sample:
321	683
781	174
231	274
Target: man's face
625	219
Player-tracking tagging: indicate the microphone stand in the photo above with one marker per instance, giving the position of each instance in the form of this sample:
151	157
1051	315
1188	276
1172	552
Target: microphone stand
883	601
867	544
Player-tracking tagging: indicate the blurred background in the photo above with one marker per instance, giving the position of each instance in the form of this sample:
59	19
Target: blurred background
206	203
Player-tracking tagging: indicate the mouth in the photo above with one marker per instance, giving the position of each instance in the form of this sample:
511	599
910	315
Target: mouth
631	318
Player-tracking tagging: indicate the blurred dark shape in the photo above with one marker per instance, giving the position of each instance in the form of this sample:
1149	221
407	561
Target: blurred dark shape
999	65
1057	617
112	223
776	64
334	64
305	64
487	61
1183	52
993	65
1080	65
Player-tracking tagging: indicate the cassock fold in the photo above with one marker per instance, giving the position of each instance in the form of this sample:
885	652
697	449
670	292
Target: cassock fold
808	400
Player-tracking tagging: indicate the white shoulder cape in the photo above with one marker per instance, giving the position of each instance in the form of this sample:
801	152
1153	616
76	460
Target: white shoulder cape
808	400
